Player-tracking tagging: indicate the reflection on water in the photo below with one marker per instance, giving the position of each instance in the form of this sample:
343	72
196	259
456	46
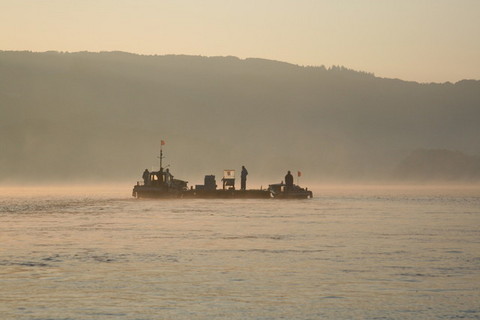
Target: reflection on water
383	253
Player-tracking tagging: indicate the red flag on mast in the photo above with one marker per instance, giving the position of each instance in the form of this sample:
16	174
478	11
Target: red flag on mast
162	143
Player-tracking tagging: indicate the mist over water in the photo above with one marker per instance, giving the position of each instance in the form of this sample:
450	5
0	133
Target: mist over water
73	117
377	251
392	231
389	252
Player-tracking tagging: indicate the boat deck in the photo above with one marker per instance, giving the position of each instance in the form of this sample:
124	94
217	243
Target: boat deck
227	194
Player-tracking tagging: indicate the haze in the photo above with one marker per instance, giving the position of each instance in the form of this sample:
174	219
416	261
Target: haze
340	90
100	116
424	41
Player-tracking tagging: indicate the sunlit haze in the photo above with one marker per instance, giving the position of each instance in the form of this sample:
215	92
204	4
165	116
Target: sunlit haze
424	41
253	159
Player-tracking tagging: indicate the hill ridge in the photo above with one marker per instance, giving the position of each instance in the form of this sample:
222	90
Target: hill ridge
91	114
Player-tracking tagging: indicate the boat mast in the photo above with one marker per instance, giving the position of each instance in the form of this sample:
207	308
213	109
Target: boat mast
161	153
161	157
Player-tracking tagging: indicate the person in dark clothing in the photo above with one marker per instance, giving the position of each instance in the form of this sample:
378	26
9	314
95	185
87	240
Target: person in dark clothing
146	177
161	178
289	181
243	179
168	177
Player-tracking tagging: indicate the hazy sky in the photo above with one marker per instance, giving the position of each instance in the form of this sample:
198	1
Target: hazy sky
420	40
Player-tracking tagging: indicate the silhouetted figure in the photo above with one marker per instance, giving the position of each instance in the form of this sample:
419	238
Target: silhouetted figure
146	177
289	181
243	178
160	177
168	177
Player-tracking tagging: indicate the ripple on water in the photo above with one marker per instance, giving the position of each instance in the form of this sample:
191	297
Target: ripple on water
343	255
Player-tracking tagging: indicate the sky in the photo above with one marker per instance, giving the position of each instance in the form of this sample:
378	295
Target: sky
415	40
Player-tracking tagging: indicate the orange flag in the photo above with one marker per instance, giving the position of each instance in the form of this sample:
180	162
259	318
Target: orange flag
299	173
162	143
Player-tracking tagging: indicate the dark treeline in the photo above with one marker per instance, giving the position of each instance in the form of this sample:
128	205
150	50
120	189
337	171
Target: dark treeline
75	116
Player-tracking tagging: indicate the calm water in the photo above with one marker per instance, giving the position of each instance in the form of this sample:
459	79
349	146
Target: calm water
355	253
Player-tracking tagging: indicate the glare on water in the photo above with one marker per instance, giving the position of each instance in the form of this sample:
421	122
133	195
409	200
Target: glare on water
349	253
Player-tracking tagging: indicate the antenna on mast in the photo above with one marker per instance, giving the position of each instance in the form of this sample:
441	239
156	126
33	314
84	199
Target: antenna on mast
162	143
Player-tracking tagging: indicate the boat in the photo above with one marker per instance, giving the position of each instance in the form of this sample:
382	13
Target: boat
161	184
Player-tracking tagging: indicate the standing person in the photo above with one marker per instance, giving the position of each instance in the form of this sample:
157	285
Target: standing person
289	181
243	177
146	177
168	177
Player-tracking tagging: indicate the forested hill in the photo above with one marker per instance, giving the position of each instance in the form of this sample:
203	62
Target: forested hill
77	116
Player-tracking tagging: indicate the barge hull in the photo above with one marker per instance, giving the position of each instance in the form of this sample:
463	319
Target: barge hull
163	193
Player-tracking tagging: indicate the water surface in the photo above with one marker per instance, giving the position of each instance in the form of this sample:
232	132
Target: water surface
349	253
